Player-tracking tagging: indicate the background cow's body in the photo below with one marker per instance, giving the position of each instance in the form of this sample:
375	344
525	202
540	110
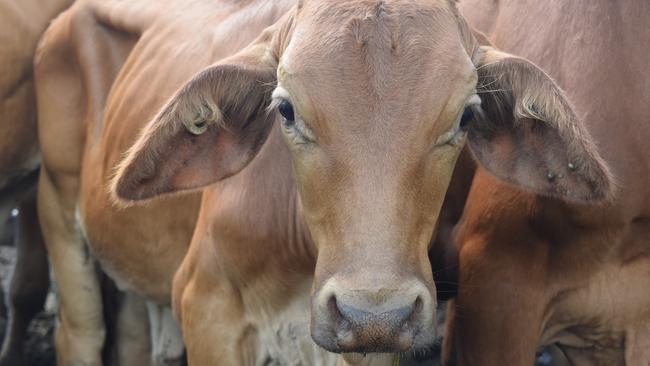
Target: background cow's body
21	25
85	133
535	270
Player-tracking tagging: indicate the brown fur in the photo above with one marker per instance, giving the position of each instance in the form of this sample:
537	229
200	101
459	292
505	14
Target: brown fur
534	270
520	99
348	212
21	24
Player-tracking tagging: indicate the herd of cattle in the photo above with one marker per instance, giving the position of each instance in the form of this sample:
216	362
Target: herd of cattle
300	182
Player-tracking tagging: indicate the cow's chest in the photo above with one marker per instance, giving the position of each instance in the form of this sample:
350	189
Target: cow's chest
605	318
281	325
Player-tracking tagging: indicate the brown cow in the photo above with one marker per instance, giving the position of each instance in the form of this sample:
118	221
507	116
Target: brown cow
21	24
76	68
535	270
331	140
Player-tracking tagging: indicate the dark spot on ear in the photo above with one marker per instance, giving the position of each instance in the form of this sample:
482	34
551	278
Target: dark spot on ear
550	176
572	167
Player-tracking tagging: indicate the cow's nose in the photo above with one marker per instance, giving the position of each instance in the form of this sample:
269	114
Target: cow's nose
370	330
373	320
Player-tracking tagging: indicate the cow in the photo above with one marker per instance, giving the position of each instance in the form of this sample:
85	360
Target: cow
21	25
536	270
292	157
76	67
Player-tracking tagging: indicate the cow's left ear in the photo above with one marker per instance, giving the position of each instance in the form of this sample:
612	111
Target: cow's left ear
526	132
209	130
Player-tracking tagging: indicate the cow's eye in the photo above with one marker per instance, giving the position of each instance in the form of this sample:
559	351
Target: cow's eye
466	118
286	111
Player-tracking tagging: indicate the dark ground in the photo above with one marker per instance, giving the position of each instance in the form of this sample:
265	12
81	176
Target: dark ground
39	348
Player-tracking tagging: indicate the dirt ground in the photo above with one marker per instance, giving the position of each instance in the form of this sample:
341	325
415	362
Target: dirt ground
39	348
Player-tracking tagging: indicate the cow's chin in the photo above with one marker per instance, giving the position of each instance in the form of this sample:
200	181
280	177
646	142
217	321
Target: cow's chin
372	338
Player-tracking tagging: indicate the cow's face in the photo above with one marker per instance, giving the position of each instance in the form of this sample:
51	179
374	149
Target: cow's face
371	98
375	100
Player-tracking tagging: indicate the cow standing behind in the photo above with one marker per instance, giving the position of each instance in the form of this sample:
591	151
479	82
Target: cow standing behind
535	270
21	24
325	201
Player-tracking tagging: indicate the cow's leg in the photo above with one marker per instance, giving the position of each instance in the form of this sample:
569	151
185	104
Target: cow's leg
127	327
29	283
81	332
130	331
211	312
213	322
498	313
167	348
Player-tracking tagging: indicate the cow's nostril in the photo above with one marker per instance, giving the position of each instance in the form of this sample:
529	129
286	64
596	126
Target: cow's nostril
400	316
417	309
407	328
343	324
333	309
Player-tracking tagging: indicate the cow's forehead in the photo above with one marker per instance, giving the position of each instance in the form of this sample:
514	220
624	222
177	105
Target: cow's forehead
383	32
387	42
354	53
327	10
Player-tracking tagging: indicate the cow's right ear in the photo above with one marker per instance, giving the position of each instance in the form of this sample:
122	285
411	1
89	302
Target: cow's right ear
209	130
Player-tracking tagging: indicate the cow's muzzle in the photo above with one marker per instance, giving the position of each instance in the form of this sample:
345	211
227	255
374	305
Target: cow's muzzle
373	320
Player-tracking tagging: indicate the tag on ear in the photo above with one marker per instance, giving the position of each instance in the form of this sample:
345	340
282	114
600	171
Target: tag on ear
529	135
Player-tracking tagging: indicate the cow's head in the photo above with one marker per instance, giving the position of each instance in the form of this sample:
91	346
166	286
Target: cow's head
375	100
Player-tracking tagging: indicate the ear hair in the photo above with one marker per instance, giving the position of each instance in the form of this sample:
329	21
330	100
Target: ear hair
518	96
211	128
